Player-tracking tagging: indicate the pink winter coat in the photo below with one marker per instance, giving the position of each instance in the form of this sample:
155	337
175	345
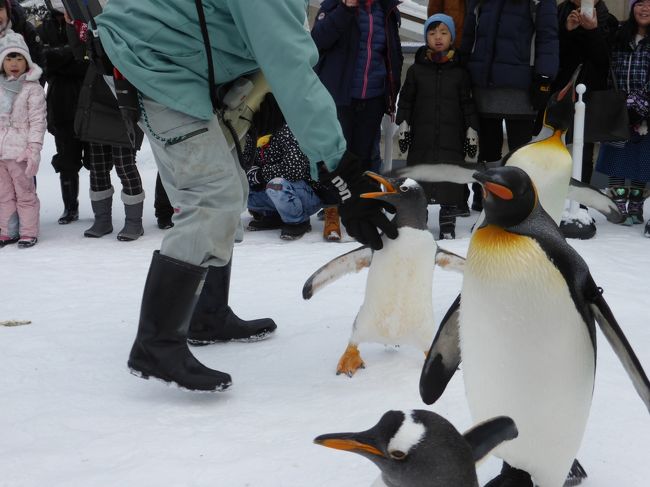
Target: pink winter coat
27	121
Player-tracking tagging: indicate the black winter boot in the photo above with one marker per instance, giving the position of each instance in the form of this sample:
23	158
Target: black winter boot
102	203
70	195
213	320
160	348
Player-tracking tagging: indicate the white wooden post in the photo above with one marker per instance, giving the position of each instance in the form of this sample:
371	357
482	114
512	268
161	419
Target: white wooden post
578	141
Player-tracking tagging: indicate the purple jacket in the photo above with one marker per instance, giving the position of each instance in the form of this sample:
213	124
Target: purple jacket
337	35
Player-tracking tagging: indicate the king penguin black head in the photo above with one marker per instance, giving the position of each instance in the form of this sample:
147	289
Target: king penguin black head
412	449
509	195
560	107
406	196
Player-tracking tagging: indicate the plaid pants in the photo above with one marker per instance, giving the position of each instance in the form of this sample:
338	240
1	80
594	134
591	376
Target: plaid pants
102	158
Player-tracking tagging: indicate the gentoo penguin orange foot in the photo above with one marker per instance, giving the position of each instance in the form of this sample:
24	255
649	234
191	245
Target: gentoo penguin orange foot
350	361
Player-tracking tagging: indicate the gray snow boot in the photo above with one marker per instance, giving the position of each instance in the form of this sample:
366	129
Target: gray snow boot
133	217
102	203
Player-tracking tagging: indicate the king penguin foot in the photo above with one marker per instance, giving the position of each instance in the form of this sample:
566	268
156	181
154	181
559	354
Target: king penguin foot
350	361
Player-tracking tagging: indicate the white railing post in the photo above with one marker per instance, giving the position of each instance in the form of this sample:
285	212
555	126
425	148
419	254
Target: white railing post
578	141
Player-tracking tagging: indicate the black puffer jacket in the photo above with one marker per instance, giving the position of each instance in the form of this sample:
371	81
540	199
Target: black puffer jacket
436	102
63	72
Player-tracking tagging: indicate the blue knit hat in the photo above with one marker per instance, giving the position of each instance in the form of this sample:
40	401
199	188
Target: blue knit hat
445	19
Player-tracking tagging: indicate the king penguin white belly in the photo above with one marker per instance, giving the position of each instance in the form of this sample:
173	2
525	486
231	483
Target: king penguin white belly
549	165
526	352
398	308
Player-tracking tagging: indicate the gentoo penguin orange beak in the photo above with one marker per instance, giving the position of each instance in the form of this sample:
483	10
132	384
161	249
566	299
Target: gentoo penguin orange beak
354	442
389	187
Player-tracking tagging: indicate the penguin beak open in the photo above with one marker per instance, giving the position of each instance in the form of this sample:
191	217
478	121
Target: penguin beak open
353	442
570	86
491	186
389	187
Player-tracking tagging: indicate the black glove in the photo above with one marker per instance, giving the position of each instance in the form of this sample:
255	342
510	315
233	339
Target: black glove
540	92
361	216
255	179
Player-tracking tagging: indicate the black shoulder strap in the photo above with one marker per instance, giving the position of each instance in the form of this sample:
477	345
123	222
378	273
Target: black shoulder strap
208	52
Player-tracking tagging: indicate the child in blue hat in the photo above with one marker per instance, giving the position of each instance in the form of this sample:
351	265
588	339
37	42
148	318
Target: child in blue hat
437	112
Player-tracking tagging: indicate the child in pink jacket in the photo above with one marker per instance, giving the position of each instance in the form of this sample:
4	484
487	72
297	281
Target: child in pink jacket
22	128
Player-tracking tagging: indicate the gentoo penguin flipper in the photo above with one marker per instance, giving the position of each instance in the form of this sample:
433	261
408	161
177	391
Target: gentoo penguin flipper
449	261
622	348
489	434
452	172
593	198
352	261
443	358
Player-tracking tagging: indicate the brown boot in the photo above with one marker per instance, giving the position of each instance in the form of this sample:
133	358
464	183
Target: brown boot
332	226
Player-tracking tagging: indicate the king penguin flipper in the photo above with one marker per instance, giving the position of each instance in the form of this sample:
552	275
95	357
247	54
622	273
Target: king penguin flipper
622	348
451	172
443	358
592	197
450	261
489	434
347	263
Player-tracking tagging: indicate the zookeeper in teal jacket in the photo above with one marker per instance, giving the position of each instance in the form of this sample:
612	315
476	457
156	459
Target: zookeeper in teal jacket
158	46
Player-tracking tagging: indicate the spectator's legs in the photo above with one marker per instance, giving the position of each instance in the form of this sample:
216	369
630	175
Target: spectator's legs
132	193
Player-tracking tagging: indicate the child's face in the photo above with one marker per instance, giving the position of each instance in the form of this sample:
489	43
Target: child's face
14	65
439	39
642	14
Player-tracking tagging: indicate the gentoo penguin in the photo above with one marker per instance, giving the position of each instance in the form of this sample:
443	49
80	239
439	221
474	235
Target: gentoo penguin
547	161
397	308
524	325
422	449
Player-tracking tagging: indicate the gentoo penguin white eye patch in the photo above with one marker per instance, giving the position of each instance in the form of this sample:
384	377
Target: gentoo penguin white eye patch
407	436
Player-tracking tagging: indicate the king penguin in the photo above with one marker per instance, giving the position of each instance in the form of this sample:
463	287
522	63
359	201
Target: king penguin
524	325
547	161
397	307
419	448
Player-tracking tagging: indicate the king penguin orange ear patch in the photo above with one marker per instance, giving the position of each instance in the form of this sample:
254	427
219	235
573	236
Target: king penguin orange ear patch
498	190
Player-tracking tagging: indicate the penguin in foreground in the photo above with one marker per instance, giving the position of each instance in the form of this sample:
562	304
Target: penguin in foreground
397	308
422	449
547	161
524	326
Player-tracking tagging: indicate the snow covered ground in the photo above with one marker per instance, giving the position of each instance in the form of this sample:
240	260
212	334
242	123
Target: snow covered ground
71	414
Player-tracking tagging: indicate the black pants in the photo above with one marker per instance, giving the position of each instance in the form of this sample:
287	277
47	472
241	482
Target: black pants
360	122
69	155
520	132
163	208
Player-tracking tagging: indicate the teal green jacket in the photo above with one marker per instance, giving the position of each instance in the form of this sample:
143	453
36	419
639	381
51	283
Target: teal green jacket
157	45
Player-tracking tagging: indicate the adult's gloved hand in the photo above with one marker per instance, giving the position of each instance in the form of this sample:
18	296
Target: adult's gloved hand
471	145
255	179
362	217
32	156
404	137
540	92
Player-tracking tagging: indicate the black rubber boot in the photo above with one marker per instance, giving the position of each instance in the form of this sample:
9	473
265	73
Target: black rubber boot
213	320
160	348
70	195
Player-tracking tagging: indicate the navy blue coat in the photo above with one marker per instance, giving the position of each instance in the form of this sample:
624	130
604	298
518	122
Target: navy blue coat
498	45
336	34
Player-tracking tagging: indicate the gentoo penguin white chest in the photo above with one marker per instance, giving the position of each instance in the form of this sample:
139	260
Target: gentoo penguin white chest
526	352
397	308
